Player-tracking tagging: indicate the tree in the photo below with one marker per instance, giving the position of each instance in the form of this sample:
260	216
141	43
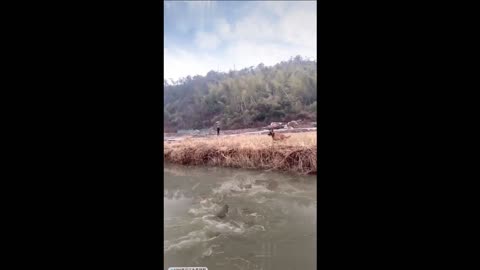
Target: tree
246	98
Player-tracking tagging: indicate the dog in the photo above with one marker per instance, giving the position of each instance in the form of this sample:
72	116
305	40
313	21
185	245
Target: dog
277	137
223	212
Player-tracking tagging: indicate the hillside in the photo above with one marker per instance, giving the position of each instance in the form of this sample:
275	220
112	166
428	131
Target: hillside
250	97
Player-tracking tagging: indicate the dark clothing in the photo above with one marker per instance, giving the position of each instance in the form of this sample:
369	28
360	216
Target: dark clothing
218	131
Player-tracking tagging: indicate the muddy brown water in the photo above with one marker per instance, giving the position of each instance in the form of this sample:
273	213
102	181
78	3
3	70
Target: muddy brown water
270	223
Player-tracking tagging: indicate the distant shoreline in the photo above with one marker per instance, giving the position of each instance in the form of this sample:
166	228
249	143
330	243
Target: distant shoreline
250	151
234	132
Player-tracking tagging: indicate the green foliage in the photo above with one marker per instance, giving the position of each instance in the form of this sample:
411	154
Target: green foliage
250	97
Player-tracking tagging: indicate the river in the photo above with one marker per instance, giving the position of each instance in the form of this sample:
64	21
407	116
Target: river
270	223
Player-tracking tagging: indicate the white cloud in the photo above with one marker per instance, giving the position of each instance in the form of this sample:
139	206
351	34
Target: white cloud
195	5
245	53
299	27
255	28
223	28
270	33
181	63
207	41
274	7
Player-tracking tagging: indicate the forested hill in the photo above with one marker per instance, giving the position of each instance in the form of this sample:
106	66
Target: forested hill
251	97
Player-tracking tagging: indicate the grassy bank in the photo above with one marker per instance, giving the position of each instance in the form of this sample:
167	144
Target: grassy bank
296	154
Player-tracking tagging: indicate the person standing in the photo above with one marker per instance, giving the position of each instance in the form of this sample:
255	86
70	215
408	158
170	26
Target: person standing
218	128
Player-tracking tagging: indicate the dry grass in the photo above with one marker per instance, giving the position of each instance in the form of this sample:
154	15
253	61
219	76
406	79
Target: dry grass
297	154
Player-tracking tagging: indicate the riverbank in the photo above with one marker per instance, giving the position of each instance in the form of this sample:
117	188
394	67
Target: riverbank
296	154
175	137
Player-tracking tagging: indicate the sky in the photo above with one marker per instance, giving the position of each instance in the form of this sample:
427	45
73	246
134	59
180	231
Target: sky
200	36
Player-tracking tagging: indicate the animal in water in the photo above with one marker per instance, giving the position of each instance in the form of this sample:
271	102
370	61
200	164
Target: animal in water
246	211
261	182
245	186
277	137
269	183
223	212
272	185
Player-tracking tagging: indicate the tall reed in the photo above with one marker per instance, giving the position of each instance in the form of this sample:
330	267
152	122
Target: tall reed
296	154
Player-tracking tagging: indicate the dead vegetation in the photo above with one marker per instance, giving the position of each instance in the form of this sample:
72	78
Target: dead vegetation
296	154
